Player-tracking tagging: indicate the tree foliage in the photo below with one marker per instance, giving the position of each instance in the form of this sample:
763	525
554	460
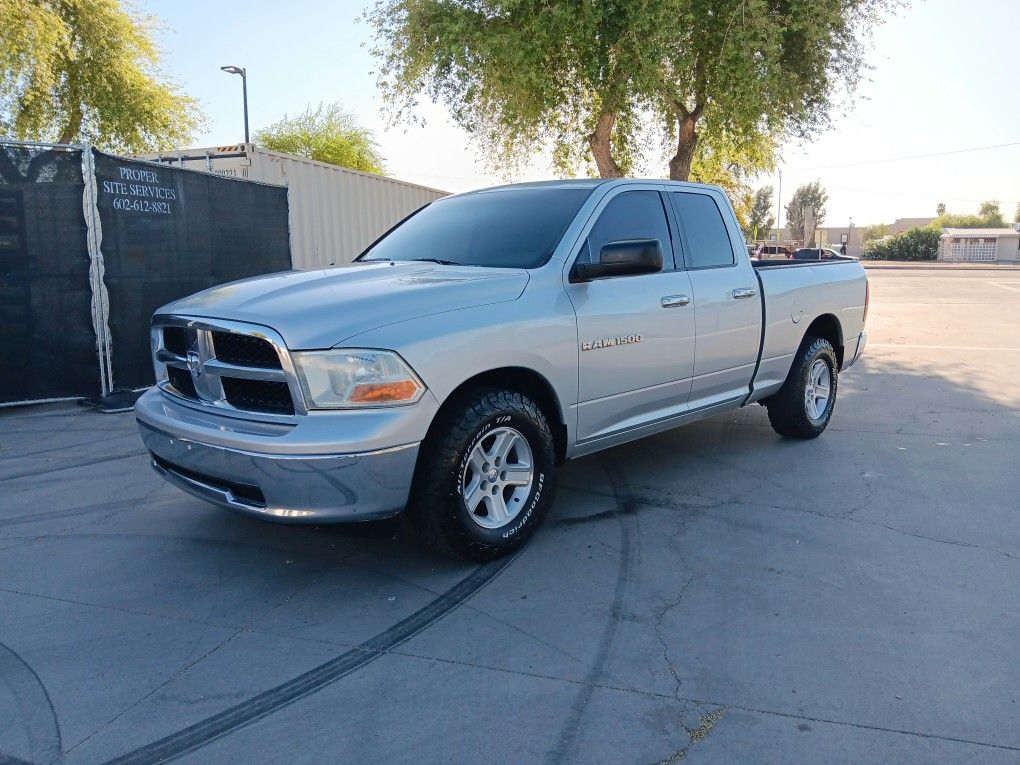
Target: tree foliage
1016	215
808	195
583	76
920	243
88	70
874	231
989	216
326	133
761	218
940	208
731	162
992	212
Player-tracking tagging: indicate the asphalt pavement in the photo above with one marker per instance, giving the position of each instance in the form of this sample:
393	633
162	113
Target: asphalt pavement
715	594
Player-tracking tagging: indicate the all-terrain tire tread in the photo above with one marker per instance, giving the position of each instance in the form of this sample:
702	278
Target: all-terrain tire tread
786	408
429	507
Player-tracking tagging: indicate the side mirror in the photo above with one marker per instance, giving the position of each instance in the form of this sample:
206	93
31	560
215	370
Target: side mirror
635	256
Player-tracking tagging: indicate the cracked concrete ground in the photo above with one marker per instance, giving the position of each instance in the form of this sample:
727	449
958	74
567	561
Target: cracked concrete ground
714	594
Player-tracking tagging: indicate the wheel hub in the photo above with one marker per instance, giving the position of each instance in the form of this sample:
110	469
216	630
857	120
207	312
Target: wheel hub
818	390
497	477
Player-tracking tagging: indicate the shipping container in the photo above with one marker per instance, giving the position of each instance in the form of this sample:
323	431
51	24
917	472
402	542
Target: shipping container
334	212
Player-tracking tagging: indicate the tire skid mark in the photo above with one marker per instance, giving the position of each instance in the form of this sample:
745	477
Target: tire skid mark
274	699
37	713
89	442
120	504
72	465
625	507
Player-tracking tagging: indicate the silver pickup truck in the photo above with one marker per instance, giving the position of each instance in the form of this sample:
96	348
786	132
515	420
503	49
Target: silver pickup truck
481	342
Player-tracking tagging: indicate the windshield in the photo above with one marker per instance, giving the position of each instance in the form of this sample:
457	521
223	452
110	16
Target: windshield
515	228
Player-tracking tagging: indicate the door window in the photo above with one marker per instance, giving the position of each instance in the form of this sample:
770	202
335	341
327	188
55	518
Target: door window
630	215
707	238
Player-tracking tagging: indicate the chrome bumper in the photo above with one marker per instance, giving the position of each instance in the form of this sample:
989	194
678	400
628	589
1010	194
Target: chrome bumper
291	487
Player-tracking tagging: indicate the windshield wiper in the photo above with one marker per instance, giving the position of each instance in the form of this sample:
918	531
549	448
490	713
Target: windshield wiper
436	260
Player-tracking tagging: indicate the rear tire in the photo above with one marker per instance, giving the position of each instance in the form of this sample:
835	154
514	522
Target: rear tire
803	407
484	481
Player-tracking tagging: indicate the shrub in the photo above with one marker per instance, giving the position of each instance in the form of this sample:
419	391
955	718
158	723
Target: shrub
913	244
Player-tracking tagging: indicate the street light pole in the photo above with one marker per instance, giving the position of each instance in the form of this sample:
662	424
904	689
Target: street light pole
779	205
244	91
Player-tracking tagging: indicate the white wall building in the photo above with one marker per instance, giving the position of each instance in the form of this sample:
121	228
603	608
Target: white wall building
335	212
979	245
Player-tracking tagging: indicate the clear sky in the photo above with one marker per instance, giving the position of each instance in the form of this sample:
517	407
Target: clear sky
946	76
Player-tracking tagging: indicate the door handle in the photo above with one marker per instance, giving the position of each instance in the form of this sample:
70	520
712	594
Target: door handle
742	293
674	301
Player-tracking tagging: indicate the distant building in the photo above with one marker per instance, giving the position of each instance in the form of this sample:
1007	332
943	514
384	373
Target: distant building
979	245
905	224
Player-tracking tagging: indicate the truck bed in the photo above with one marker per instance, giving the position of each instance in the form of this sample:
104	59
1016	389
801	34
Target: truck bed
760	264
794	293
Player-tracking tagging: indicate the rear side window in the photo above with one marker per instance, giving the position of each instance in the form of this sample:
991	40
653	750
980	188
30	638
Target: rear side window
630	215
707	237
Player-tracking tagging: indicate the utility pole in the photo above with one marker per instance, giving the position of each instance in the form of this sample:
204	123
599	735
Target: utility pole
779	207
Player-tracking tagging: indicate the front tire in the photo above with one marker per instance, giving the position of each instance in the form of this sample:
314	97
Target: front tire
485	479
803	407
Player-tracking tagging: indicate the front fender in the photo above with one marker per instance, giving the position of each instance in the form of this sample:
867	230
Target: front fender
538	331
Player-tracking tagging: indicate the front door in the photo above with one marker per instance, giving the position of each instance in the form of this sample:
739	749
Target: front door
635	333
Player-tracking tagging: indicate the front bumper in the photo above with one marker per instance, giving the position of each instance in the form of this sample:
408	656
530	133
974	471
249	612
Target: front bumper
263	472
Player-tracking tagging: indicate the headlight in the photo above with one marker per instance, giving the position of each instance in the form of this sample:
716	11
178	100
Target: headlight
355	377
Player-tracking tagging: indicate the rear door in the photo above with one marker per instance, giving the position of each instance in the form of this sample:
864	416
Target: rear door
635	333
727	304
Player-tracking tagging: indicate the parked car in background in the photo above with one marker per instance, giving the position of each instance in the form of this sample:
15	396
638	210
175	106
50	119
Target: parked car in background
817	253
480	343
772	252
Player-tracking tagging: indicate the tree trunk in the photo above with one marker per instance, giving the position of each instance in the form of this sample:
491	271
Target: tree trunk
70	130
72	127
680	164
601	145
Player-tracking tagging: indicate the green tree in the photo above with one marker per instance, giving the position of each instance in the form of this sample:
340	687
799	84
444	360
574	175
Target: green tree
992	212
808	195
875	231
951	220
584	77
325	134
761	218
989	216
1016	215
940	208
88	70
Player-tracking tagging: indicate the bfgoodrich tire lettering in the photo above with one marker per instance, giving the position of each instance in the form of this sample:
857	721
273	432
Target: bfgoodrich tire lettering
789	409
438	510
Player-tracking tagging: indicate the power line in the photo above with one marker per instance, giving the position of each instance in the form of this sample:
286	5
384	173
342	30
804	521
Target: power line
926	195
904	159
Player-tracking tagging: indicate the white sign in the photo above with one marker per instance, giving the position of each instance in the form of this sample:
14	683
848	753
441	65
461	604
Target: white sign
139	190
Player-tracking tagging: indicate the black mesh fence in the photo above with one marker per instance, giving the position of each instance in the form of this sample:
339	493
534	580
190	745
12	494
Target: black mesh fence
47	342
168	232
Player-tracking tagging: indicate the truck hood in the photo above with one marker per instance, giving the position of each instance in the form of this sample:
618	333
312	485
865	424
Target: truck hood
319	309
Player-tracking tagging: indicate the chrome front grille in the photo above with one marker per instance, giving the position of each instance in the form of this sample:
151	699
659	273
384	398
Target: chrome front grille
238	368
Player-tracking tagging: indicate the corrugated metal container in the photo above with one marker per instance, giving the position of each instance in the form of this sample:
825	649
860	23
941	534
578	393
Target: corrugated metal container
334	212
